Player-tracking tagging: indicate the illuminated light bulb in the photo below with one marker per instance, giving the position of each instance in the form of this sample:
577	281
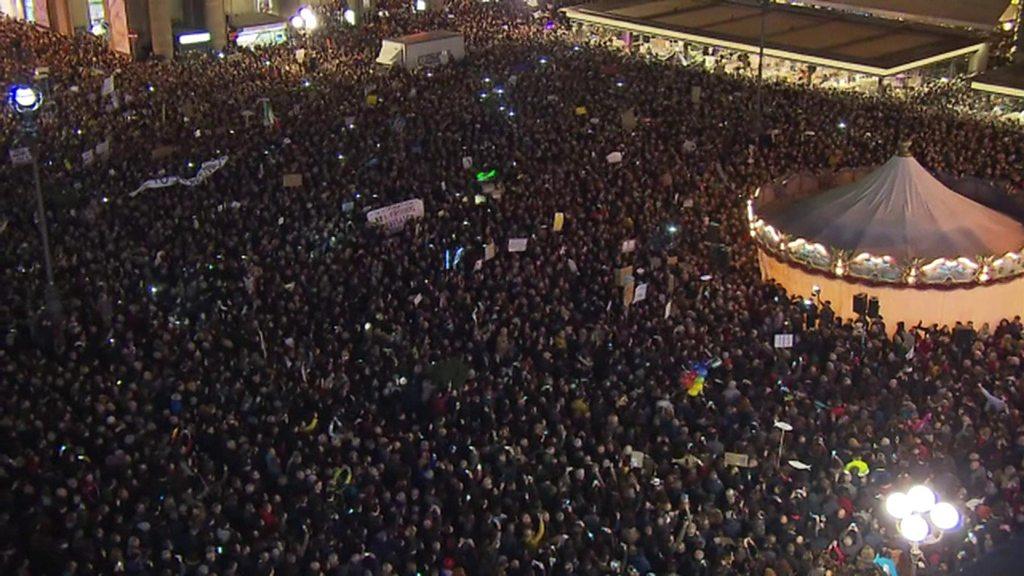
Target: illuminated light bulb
914	528
898	505
922	499
945	516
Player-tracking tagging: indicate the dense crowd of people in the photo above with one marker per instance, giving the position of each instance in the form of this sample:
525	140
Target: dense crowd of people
247	378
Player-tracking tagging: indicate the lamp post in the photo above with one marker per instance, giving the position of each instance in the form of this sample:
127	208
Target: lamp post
25	101
921	518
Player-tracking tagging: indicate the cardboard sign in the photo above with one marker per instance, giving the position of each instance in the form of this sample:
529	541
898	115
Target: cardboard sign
559	221
517	244
628	119
627	292
783	340
581	110
736	459
490	251
293	180
20	156
623	274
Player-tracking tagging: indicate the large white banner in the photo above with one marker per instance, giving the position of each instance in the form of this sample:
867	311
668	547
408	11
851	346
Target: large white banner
393	217
208	168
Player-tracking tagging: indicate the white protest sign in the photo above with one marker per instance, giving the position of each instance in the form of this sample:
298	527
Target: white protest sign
628	246
103	148
108	86
88	157
640	293
517	244
636	459
467	162
395	216
20	156
614	157
783	340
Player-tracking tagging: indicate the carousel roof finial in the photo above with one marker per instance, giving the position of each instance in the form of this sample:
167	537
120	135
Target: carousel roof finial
903	148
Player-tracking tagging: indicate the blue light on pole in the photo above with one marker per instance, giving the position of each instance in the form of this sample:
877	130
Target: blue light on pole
24	99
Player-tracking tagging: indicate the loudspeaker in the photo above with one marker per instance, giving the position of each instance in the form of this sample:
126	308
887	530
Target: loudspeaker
860	304
872	307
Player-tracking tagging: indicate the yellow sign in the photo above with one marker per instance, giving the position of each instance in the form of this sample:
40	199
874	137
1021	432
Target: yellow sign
371	99
581	110
559	221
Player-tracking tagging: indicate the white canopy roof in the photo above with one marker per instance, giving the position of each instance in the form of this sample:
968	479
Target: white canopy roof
899	210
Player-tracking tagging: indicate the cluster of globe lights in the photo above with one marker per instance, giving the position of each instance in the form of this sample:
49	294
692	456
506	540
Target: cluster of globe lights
918	510
305	20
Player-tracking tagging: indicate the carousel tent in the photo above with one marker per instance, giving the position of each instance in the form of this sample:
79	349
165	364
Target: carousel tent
899	210
893	238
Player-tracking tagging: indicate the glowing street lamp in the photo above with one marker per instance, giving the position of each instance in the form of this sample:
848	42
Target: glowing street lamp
921	518
24	99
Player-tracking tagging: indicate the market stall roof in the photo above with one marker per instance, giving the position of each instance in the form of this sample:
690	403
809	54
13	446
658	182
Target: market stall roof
864	44
983	14
1008	80
899	210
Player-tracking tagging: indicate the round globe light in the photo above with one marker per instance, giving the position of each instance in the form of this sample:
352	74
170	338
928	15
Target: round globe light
945	516
297	22
308	17
898	505
922	499
914	528
25	98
